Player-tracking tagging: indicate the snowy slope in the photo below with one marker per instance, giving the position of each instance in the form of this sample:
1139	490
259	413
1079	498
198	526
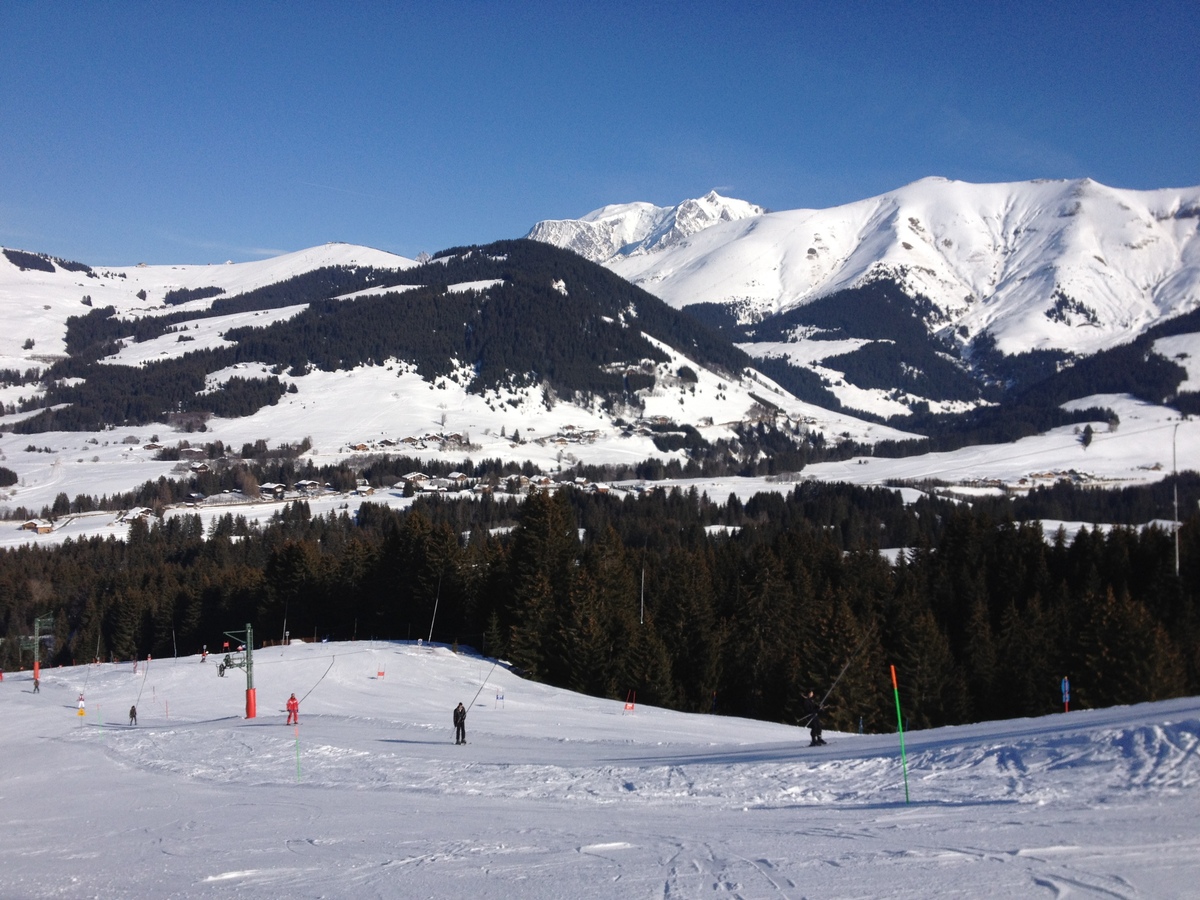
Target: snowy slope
1071	265
1138	451
35	305
366	405
559	795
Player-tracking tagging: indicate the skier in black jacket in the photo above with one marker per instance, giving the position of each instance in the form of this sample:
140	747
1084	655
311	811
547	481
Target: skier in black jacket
460	724
812	710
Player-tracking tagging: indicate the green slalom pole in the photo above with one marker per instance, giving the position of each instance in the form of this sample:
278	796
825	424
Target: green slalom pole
900	725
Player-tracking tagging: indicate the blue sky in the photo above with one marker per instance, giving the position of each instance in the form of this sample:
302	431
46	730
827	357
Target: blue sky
171	132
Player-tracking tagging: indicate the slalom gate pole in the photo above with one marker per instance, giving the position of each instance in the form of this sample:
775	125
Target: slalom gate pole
319	680
298	750
483	684
900	726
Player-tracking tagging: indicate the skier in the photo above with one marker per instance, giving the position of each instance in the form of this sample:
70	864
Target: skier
293	709
813	710
133	715
82	709
460	724
37	685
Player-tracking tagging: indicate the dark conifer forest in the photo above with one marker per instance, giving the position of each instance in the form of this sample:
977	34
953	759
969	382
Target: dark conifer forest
744	605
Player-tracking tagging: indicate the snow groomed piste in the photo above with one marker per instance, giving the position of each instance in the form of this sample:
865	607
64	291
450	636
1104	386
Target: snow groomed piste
557	794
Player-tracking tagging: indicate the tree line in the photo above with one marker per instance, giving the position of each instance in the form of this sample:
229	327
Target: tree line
695	603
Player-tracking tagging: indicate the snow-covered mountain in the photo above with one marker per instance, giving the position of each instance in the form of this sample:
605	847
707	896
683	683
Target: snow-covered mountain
632	229
636	381
1068	265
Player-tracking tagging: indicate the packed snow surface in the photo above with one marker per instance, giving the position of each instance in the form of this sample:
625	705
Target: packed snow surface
561	795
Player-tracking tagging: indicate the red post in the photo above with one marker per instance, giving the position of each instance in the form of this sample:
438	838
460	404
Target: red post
251	703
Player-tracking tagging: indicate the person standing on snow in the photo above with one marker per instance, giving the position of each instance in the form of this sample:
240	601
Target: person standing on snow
293	709
37	685
460	724
82	706
812	711
133	715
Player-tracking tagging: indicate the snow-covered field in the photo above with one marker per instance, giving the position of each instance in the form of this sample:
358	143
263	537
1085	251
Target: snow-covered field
559	795
1147	444
1145	447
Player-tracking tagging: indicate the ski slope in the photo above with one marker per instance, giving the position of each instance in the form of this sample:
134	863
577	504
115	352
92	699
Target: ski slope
560	795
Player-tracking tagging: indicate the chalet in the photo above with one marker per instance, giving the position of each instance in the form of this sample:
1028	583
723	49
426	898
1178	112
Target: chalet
458	478
199	468
416	479
272	490
37	526
308	487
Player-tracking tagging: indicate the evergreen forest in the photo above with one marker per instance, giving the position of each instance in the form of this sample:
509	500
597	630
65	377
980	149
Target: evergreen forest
696	603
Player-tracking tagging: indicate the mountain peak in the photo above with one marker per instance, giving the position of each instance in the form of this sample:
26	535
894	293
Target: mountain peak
629	229
990	257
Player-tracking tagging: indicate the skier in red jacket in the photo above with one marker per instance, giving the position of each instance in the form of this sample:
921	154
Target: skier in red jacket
293	708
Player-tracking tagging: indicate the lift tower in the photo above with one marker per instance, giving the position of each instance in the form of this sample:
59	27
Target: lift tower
245	662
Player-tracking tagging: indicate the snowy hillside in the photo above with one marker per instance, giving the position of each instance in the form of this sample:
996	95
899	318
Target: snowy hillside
34	304
560	795
1071	265
389	403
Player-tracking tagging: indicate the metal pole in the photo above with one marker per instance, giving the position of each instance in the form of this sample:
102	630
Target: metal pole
642	609
251	694
436	599
1175	479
